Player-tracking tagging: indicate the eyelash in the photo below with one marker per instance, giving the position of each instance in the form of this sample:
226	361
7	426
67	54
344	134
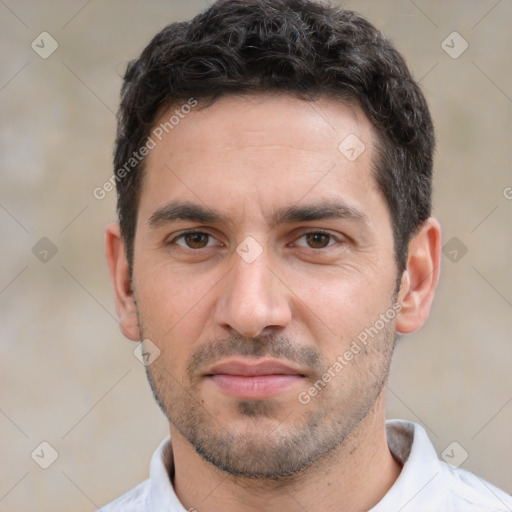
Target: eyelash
312	232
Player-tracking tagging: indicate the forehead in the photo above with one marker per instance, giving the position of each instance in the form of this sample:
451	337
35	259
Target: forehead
259	148
250	120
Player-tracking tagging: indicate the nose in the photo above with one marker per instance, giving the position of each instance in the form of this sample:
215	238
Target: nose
253	300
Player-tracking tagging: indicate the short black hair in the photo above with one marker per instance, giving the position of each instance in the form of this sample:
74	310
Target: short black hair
298	47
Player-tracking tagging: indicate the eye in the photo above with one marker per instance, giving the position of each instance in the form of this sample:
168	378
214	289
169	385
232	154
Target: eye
194	240
317	240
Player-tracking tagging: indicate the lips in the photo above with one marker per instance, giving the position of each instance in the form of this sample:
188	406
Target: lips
252	369
253	380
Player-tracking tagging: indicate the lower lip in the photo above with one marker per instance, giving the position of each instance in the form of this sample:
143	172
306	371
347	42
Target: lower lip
255	387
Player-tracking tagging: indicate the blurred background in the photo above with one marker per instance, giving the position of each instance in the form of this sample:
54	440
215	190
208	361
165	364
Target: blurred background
71	381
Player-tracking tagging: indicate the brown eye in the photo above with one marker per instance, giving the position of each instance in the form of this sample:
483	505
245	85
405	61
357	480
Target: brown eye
196	240
318	240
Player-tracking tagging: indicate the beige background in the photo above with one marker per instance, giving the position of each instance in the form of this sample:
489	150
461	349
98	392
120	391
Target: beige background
67	375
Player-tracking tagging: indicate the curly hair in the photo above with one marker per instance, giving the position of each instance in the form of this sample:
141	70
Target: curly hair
299	47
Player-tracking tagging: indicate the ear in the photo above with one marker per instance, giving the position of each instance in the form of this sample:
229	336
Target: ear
420	277
121	282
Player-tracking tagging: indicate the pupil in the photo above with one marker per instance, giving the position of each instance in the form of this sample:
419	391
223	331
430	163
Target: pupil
197	240
317	240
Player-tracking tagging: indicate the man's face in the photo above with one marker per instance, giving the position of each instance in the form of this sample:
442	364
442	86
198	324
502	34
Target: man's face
262	251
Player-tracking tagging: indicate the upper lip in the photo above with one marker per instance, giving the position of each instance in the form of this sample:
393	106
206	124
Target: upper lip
249	368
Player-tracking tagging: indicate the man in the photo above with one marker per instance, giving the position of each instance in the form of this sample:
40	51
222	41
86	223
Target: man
273	166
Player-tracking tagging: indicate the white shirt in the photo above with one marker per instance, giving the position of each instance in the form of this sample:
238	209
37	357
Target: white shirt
424	484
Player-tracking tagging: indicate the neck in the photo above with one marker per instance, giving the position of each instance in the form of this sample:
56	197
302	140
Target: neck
353	477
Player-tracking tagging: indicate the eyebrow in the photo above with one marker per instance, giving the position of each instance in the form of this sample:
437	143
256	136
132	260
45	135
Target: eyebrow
187	211
318	211
180	210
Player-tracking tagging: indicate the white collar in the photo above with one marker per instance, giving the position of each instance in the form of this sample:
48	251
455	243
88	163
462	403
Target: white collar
424	484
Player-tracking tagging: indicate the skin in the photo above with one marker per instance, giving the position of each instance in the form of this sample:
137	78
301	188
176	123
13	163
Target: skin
303	301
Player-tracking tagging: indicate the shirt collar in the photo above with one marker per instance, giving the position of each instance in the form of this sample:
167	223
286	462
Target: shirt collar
408	442
410	445
161	492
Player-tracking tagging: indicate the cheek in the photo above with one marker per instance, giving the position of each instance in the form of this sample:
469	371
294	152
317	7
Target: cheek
338	308
173	308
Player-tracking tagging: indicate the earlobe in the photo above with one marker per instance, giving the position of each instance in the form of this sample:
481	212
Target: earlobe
121	282
420	278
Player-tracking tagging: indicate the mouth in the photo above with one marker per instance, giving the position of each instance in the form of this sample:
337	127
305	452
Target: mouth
256	380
